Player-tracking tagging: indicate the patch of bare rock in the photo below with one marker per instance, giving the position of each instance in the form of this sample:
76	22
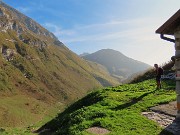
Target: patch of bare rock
98	130
164	115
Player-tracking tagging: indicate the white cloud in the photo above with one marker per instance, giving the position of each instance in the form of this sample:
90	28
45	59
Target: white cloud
105	31
59	31
134	38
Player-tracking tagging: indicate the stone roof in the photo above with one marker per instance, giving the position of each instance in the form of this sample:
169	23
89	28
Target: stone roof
170	25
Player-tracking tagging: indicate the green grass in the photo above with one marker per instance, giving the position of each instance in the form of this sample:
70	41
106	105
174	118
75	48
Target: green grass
38	78
117	109
20	115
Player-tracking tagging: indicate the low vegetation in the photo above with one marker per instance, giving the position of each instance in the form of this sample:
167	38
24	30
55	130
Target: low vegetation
37	72
117	109
39	76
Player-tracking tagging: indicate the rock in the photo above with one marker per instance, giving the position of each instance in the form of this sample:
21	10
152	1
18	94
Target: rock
164	115
98	130
169	109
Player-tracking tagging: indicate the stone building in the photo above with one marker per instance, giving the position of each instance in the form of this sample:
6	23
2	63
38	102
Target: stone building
172	27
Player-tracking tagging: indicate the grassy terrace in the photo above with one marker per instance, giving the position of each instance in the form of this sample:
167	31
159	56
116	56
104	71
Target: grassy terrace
117	109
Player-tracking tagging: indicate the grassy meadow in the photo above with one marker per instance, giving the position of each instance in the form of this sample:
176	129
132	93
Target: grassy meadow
117	109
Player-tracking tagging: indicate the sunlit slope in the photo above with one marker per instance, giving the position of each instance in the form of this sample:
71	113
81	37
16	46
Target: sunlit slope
117	109
35	66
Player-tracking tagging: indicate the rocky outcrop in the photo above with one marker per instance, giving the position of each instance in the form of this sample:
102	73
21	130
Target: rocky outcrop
11	19
33	41
43	72
14	20
1	13
7	53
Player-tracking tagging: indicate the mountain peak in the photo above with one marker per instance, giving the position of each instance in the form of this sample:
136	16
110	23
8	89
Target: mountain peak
12	19
117	63
110	51
39	70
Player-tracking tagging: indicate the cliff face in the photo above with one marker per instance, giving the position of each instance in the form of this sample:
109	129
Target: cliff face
27	30
12	19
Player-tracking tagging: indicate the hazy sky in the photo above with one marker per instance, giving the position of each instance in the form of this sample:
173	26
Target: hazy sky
90	25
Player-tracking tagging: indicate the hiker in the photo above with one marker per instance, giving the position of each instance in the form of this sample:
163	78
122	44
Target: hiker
159	72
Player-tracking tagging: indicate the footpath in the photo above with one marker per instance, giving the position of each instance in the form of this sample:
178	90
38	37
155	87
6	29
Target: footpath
164	115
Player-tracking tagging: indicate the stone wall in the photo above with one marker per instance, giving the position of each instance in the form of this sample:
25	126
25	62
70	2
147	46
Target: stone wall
177	66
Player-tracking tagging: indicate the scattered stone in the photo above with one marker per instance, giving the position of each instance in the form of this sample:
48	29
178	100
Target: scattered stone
165	115
98	130
162	119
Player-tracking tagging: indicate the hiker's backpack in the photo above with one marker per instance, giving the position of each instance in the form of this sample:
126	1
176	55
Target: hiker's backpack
160	71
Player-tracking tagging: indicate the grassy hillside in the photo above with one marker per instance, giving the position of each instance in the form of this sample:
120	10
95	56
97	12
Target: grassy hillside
38	72
117	109
47	76
39	76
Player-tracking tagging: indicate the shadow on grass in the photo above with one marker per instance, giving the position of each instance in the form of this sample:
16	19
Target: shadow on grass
62	121
134	101
172	129
169	84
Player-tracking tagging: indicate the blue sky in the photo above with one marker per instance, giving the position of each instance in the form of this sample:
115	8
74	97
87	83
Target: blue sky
90	25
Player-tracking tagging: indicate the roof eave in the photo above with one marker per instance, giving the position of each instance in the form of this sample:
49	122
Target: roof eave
168	27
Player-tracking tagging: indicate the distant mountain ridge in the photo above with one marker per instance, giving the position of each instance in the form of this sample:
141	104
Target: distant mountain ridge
84	54
117	64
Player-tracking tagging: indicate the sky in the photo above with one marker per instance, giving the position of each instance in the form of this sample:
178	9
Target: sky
86	26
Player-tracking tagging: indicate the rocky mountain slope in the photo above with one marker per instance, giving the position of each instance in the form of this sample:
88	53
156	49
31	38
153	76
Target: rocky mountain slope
117	64
37	71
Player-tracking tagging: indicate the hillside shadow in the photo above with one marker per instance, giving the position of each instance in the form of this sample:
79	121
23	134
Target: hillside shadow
133	101
62	120
172	129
